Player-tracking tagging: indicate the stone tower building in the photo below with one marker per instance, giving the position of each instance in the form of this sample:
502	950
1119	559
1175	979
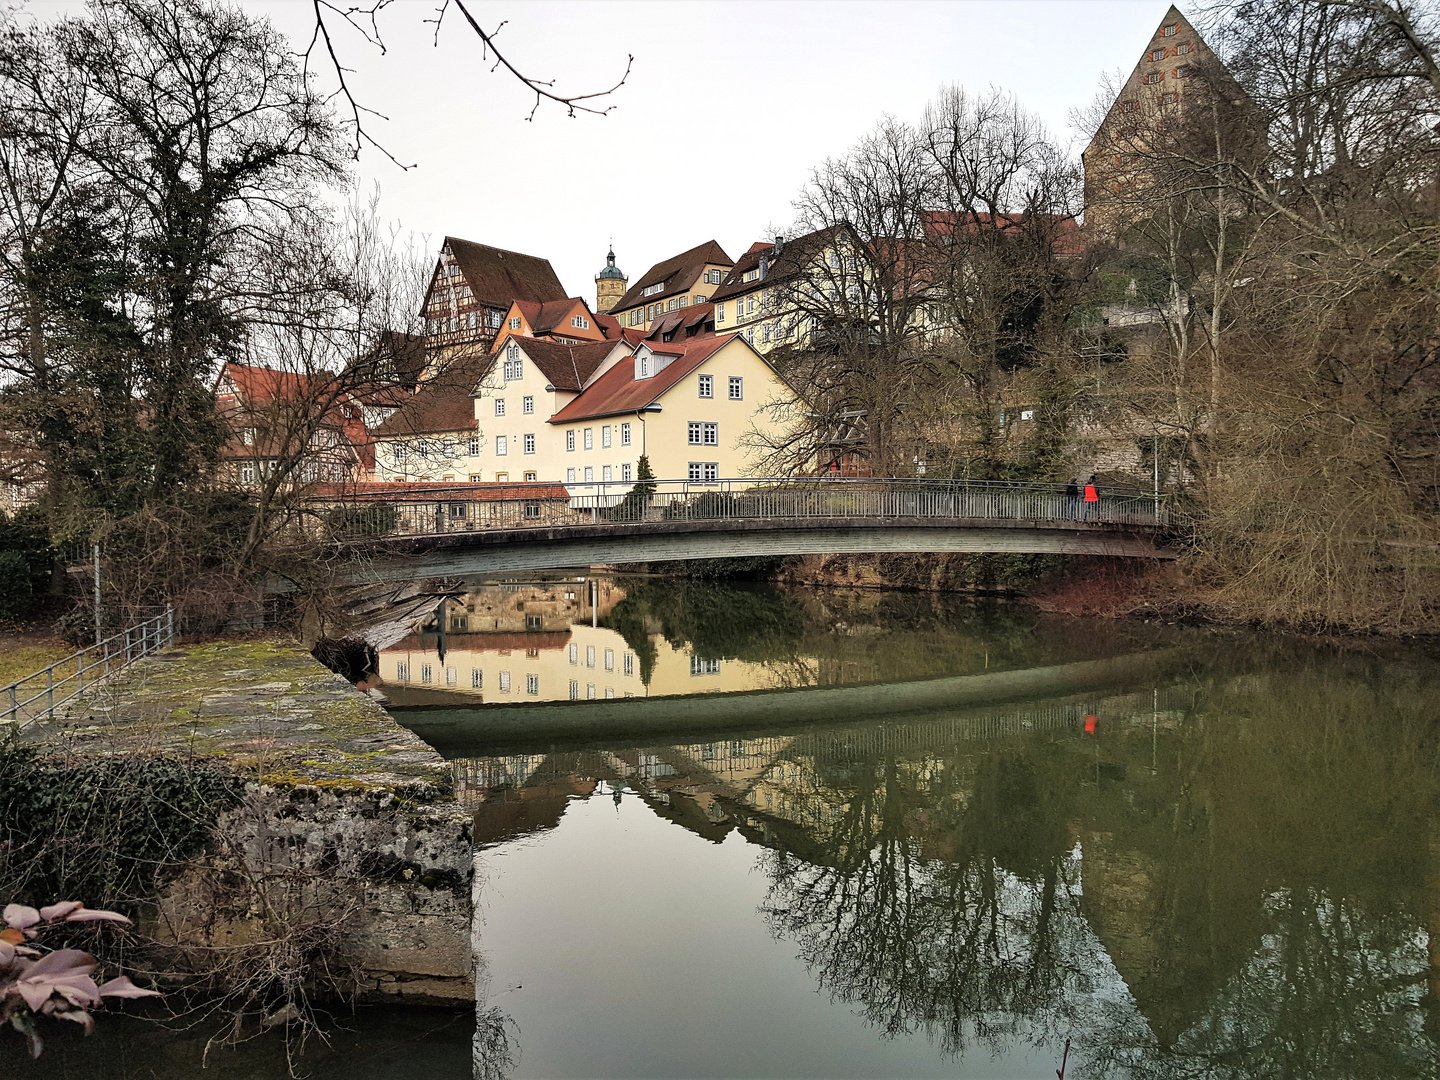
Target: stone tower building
1176	70
610	285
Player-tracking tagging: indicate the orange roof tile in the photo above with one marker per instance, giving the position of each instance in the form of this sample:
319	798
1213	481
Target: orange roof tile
618	391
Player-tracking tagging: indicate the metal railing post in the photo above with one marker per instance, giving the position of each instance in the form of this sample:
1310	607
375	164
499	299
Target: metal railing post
50	689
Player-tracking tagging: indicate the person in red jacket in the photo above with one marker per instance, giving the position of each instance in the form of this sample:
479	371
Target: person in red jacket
1092	499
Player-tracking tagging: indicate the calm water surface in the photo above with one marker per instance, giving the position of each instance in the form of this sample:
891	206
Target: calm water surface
1230	868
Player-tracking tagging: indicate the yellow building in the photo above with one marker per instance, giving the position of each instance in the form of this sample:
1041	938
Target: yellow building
776	292
532	380
692	407
686	279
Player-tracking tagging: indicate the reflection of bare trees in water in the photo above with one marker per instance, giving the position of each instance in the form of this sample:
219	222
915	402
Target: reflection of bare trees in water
1335	988
926	930
497	1043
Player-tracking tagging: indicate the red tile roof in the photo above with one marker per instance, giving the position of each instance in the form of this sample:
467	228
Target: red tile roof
678	274
567	367
497	276
443	402
442	492
609	326
618	391
1065	231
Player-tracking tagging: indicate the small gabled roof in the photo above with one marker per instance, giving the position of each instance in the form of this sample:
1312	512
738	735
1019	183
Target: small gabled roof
442	403
566	367
678	274
618	391
497	276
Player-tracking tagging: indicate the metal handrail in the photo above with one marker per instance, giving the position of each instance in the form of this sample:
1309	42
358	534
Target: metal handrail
430	508
111	656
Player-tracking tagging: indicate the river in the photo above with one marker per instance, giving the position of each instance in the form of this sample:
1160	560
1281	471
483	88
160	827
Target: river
1195	854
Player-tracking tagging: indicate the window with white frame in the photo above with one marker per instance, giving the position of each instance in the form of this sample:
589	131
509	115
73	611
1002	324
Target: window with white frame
700	666
737	388
606	473
574	690
589	655
580	322
247	473
514	322
426	674
588	437
707	386
651	290
504	682
625	434
605	436
477	679
629	663
472	445
625	473
642	366
529	442
499	406
527	405
719	313
589	474
574	653
452	676
570	439
750	305
502	445
569	476
704	472
1172	30
513	365
532	684
402	671
703	433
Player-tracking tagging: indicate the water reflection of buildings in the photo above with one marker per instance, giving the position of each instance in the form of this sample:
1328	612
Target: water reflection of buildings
542	641
1240	910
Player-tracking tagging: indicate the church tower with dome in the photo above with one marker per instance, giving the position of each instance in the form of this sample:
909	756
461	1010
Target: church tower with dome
610	285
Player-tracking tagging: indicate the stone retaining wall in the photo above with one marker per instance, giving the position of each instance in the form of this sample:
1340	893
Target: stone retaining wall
347	840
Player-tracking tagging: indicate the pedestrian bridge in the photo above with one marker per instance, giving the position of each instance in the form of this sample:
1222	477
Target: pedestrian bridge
467	530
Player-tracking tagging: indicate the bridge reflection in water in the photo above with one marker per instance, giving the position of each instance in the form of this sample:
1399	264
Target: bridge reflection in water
1231	874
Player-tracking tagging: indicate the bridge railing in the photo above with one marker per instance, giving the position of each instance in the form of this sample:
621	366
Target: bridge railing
468	507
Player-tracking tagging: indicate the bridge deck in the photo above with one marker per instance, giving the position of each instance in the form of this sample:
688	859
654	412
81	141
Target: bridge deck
447	530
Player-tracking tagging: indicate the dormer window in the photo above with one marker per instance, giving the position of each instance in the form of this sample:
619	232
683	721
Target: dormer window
651	290
643	367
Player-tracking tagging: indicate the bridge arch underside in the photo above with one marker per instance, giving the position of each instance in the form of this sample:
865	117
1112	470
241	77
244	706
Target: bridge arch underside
508	551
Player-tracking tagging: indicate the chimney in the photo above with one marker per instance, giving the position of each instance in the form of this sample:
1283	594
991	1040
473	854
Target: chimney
779	244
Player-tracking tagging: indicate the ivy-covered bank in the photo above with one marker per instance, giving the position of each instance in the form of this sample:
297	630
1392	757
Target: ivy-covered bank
273	830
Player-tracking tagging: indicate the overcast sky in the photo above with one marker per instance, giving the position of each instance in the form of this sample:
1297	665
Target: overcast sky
727	108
